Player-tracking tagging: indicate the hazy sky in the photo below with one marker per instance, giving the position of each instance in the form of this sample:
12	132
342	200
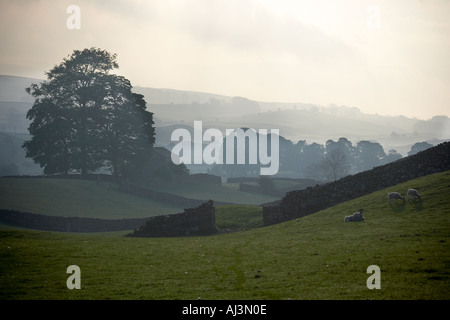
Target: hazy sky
383	56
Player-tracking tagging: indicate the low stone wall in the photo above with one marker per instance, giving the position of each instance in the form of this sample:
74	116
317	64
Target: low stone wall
192	222
67	224
272	215
303	202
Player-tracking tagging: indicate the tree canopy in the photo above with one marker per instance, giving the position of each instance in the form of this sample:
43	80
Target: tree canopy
85	118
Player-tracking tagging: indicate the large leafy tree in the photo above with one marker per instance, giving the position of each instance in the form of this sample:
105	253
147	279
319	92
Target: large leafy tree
371	154
84	118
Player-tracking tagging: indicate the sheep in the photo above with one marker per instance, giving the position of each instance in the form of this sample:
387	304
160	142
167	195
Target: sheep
356	216
413	194
394	195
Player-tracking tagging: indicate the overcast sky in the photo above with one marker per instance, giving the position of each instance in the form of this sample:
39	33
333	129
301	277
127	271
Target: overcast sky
389	57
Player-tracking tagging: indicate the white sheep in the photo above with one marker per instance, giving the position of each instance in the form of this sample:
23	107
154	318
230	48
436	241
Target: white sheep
413	194
394	195
356	216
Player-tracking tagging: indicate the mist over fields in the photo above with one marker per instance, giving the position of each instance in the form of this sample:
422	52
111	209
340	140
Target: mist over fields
173	109
225	150
297	120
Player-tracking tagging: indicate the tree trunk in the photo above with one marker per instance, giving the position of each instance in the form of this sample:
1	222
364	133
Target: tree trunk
83	148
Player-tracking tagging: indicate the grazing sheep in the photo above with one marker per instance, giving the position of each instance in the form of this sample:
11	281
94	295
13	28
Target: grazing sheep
413	194
394	195
356	216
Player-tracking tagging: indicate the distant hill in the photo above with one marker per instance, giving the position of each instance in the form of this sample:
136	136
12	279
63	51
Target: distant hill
12	156
13	116
12	88
77	198
171	96
14	103
296	121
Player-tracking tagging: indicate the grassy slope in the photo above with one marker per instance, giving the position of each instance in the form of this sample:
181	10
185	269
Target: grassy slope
76	198
227	192
238	217
314	257
62	198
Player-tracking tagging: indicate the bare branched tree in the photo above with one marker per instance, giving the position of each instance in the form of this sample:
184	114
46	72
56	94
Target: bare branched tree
334	164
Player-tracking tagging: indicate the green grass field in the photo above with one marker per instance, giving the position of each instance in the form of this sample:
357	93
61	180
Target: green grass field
81	198
227	192
77	198
314	257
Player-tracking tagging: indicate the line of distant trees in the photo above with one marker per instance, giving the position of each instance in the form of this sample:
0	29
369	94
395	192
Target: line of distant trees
328	162
85	119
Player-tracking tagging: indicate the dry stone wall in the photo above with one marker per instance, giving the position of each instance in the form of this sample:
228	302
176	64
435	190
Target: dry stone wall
303	202
194	221
66	224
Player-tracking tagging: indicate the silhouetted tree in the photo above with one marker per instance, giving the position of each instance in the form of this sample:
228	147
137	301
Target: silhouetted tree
335	163
419	146
392	156
370	155
312	155
84	118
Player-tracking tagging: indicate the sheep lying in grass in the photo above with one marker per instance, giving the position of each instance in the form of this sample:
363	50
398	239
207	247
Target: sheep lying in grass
413	194
394	196
356	216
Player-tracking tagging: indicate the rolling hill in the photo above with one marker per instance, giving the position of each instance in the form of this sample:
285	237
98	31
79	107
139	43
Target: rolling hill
296	120
103	200
318	256
76	198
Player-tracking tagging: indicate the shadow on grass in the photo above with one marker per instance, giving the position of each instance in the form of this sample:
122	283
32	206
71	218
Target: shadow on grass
416	204
398	207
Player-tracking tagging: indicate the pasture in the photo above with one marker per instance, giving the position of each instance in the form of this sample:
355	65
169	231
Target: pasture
318	256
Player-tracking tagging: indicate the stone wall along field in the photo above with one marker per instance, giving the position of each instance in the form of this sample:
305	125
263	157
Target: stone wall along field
194	221
299	203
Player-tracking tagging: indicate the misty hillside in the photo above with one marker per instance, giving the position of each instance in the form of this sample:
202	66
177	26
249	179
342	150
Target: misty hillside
296	121
12	88
13	160
171	96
